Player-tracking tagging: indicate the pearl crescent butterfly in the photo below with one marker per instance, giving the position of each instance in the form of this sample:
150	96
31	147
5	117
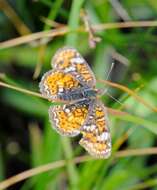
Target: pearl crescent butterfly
72	81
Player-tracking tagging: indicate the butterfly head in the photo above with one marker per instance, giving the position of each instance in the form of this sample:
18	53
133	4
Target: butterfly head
99	92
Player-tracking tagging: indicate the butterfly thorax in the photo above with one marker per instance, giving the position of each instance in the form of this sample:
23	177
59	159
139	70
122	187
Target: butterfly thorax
78	94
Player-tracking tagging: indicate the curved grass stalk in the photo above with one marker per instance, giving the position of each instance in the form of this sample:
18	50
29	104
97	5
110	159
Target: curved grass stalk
29	92
64	30
61	163
151	126
119	114
130	92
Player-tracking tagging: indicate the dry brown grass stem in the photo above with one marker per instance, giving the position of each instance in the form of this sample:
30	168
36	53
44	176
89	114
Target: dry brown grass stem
129	24
29	92
29	173
21	89
136	152
130	92
92	39
34	36
64	30
14	18
61	163
110	110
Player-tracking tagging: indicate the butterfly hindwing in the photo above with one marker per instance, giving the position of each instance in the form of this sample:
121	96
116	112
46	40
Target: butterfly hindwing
69	118
96	136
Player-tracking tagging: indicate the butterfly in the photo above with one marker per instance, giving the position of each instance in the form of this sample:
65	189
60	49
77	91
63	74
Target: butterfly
72	81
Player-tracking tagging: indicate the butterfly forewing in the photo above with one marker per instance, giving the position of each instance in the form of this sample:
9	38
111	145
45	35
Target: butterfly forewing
56	84
70	78
70	61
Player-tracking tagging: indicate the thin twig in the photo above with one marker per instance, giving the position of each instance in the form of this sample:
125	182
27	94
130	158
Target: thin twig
129	24
65	30
92	38
136	152
61	163
21	90
34	36
29	92
29	173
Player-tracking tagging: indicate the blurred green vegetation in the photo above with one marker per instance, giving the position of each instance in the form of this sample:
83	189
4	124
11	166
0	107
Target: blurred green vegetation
26	137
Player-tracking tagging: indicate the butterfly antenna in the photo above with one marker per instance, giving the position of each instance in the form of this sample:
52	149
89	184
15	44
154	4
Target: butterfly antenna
106	90
108	76
114	98
109	72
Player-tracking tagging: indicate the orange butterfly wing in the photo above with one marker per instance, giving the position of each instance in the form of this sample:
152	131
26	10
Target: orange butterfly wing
70	76
57	83
96	135
68	119
70	60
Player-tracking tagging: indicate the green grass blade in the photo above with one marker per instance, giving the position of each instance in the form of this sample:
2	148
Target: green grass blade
151	126
73	23
53	12
1	166
72	171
